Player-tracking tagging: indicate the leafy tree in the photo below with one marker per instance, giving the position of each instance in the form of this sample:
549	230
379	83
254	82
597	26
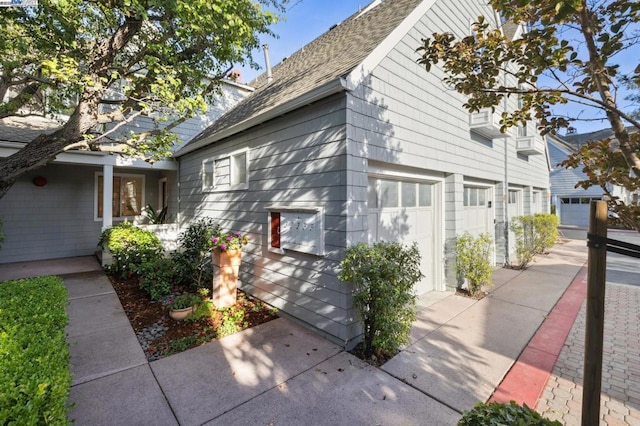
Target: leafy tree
575	45
104	63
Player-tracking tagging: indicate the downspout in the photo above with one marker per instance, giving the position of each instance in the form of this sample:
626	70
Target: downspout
505	196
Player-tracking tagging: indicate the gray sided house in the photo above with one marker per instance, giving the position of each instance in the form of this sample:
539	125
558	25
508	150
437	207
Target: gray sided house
572	204
352	141
58	210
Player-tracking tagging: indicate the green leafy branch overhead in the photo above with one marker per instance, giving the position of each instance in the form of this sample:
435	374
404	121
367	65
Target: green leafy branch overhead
565	52
105	63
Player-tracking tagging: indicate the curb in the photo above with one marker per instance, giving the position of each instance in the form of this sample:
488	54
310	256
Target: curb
528	376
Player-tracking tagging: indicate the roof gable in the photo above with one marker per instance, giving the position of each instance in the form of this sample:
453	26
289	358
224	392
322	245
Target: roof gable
337	60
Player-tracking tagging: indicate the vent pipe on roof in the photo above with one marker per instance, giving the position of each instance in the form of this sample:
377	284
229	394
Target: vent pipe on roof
267	62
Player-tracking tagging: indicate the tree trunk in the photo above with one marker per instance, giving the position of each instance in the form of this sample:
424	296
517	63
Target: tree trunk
44	148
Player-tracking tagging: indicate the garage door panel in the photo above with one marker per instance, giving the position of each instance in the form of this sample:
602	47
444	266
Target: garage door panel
409	220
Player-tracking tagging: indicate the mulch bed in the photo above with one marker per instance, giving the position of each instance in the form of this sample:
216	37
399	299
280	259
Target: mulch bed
160	336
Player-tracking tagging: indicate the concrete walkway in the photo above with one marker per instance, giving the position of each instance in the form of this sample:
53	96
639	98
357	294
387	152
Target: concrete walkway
281	374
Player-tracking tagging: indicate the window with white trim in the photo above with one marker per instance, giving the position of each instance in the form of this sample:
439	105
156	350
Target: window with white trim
226	173
128	195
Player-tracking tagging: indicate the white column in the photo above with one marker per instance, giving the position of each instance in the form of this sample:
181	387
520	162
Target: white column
107	196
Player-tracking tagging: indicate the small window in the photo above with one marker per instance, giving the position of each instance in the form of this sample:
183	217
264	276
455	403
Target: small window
473	196
408	194
372	194
585	200
424	194
388	193
226	173
575	201
565	200
513	197
482	197
465	201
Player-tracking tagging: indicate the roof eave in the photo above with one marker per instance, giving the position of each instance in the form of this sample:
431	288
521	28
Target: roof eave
334	86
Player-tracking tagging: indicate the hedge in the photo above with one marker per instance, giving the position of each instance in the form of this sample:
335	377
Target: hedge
34	355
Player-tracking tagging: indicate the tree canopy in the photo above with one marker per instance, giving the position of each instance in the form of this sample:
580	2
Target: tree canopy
568	52
101	64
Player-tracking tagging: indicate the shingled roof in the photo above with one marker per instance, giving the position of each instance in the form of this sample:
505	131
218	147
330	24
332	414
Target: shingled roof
576	140
331	56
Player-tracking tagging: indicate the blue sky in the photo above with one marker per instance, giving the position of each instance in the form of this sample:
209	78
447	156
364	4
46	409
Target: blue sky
307	19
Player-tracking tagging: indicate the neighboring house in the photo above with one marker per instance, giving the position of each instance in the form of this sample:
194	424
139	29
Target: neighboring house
59	210
572	204
349	140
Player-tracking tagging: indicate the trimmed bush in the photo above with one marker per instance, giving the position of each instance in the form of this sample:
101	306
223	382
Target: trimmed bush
34	360
473	261
130	247
546	226
156	277
383	276
497	413
534	235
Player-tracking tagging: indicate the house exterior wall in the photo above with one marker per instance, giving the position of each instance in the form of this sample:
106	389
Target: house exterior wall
296	161
403	115
57	220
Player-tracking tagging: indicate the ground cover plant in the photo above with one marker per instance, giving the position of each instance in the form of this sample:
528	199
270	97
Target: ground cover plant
34	361
498	413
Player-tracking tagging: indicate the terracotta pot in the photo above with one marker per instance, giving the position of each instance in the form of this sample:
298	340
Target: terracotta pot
180	314
225	277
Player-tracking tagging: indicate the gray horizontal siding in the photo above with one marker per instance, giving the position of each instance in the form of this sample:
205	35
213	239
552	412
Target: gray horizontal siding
295	160
563	181
57	220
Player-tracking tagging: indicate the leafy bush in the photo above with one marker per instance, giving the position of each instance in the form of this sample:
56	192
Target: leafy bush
473	261
184	301
546	227
524	230
231	322
193	259
34	365
496	413
383	276
130	247
156	277
156	217
534	234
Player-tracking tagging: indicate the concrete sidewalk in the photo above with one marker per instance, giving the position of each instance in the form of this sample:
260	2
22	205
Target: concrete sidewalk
282	374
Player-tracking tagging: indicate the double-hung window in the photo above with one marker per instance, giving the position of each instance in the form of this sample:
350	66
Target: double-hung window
227	172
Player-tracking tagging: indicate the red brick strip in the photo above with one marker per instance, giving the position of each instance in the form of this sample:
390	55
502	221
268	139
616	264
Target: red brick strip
528	376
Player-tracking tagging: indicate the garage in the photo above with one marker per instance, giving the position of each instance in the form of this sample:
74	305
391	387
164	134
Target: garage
401	210
575	211
478	213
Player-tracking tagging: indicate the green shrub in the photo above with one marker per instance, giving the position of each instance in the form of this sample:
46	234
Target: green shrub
383	276
130	247
546	227
231	322
534	234
498	414
526	241
157	276
34	355
473	261
193	260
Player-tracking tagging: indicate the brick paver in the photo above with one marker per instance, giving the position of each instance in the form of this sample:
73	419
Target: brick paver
620	401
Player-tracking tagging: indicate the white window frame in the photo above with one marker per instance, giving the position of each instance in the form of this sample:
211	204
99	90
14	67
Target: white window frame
211	161
143	203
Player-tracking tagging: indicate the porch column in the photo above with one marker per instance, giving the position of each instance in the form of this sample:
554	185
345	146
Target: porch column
107	196
453	224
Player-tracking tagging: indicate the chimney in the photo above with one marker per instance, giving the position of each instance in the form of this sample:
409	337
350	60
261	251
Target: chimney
235	75
267	63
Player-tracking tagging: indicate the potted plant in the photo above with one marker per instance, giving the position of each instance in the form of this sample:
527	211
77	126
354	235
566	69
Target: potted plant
183	305
227	255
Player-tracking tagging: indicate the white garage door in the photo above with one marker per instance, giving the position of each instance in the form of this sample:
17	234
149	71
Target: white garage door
575	211
478	217
403	211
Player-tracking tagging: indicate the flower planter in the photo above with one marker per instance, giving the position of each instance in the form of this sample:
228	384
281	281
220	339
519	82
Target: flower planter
225	277
180	314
